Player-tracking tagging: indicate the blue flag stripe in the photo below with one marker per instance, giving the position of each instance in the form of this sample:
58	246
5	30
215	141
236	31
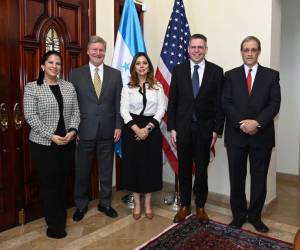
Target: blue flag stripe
129	42
130	28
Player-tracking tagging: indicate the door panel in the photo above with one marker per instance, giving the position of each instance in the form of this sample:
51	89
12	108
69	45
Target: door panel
24	26
8	211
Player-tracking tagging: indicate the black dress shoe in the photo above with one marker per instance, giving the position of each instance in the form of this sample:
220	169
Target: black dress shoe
79	214
237	223
56	234
109	211
258	225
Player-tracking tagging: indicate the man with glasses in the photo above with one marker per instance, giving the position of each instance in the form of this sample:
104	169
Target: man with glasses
251	100
195	119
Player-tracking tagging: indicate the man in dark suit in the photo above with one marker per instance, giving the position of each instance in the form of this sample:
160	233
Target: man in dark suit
195	119
98	88
251	100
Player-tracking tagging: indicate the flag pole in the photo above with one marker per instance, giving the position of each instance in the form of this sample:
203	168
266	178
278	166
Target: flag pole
174	51
174	199
129	41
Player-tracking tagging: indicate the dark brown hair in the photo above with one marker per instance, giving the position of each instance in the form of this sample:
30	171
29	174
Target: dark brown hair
134	80
198	36
45	57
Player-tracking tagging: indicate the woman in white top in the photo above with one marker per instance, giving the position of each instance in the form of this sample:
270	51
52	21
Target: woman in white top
143	105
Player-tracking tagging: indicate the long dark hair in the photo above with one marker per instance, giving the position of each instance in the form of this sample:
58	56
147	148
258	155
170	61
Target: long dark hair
45	57
134	80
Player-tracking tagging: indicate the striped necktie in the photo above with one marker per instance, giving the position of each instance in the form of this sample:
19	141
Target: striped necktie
97	83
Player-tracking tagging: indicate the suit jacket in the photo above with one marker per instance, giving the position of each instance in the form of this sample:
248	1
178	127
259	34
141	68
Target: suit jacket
41	110
207	104
103	112
262	105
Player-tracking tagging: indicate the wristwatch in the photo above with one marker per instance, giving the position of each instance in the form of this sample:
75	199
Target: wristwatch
149	127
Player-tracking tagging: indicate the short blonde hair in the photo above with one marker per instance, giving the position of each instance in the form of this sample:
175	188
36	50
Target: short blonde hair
96	39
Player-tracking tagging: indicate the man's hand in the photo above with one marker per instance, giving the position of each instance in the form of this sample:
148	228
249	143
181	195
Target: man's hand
117	134
249	126
174	137
214	139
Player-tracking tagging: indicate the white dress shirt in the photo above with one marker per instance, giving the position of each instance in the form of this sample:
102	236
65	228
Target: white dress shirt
132	102
93	69
200	70
253	72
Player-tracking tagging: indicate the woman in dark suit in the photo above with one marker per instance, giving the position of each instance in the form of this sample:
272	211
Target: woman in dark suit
51	110
143	105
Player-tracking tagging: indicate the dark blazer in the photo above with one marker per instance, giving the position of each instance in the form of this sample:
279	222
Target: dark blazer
207	104
261	105
94	111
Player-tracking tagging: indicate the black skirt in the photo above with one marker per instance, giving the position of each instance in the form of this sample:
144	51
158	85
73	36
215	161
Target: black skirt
141	168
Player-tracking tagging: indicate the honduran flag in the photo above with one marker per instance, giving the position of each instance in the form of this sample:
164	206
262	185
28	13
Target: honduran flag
129	42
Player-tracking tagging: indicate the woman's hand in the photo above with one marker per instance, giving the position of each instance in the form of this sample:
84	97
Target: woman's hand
58	140
141	134
70	136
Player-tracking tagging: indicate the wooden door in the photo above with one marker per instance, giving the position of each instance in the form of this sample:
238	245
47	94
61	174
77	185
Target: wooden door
32	27
8	210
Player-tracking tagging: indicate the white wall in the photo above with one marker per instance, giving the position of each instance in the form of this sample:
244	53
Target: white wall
288	124
225	23
105	25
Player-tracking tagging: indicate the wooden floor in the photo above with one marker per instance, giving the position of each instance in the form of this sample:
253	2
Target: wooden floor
97	231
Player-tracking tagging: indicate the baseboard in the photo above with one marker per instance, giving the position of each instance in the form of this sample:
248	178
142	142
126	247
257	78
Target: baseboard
225	199
287	177
216	197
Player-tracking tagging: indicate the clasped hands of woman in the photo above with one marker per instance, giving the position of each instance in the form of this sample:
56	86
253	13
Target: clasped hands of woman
59	140
140	133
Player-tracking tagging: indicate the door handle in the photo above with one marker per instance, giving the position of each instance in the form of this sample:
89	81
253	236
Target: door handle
3	117
17	116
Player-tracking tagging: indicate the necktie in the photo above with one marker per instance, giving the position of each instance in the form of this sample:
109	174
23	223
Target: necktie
195	81
249	81
97	83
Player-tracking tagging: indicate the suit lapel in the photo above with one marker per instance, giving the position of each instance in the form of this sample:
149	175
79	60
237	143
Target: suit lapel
188	80
105	79
89	82
257	81
242	80
205	78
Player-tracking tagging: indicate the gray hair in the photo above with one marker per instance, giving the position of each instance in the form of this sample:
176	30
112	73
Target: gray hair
96	39
251	38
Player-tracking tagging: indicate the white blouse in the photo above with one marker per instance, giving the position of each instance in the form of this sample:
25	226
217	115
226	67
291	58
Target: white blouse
132	102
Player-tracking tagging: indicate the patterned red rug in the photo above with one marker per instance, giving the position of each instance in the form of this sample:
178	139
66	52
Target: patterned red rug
191	234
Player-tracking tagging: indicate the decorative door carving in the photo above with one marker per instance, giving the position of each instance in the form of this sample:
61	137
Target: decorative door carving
31	27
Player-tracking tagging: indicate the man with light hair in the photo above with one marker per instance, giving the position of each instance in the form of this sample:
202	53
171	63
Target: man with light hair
98	88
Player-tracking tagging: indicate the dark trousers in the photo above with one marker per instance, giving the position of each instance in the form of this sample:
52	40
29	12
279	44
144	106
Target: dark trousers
85	151
53	164
259	159
193	149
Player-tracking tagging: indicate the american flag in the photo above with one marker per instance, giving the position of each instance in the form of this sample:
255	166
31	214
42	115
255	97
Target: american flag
174	51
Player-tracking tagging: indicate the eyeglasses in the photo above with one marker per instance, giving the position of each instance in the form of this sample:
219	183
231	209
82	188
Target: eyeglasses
254	50
197	47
